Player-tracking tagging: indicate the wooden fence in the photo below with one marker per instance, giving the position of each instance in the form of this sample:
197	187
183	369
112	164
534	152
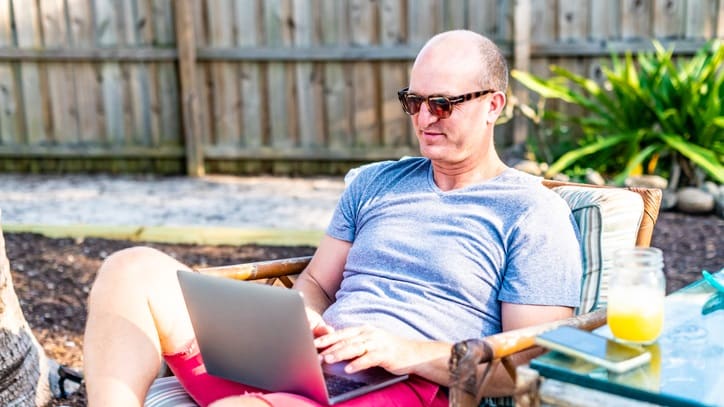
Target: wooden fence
273	85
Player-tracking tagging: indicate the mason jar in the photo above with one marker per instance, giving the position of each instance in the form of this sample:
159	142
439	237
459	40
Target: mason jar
637	288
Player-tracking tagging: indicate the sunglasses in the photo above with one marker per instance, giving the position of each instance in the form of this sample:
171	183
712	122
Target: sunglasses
439	106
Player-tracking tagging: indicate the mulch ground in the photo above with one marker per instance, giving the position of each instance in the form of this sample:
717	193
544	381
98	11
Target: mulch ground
53	276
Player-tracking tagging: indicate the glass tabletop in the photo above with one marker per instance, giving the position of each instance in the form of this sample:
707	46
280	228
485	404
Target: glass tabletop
687	360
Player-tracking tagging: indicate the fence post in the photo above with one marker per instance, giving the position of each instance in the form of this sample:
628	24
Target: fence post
521	61
186	44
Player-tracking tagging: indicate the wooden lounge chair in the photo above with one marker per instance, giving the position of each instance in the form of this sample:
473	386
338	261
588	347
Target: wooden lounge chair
473	360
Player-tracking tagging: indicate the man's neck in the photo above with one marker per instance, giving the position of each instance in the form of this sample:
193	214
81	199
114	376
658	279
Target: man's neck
450	178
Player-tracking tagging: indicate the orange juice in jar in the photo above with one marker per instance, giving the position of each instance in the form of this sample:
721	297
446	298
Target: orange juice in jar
636	295
636	314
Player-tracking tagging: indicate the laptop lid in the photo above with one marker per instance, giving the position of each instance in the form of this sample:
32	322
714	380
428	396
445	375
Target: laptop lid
258	335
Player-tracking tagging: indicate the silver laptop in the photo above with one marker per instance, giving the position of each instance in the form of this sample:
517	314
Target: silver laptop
258	335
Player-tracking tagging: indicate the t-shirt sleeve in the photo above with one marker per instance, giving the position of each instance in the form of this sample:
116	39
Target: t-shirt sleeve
343	225
543	265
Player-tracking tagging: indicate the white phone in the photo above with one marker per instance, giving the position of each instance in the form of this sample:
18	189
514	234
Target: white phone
614	356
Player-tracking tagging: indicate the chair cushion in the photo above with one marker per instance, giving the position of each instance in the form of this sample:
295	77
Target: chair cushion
168	392
608	219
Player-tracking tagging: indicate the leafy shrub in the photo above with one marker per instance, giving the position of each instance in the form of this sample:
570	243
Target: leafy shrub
655	115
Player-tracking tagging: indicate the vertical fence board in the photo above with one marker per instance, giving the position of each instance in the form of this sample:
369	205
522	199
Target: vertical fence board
482	18
166	74
200	27
308	78
9	119
28	36
669	18
521	61
573	20
572	26
138	32
604	26
87	90
144	17
185	40
605	21
543	26
720	20
125	37
106	31
423	20
169	92
505	16
247	19
543	31
280	88
454	15
504	36
700	19
395	123
338	98
62	100
635	19
225	96
364	74
203	74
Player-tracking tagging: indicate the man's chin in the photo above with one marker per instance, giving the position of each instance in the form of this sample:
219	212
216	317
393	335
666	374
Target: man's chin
433	152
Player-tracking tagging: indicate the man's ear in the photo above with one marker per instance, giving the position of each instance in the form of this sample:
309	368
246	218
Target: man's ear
496	106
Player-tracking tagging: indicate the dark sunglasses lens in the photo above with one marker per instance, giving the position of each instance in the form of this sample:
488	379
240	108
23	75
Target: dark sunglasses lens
411	104
440	107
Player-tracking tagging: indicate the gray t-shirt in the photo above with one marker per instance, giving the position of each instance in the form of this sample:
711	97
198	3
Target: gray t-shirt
427	263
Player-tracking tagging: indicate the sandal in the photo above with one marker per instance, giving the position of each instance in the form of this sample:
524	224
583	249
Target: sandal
64	381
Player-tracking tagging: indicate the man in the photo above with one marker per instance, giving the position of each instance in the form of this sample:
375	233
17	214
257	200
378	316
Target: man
411	243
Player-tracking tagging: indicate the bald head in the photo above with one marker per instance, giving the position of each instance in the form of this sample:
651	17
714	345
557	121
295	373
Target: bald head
482	58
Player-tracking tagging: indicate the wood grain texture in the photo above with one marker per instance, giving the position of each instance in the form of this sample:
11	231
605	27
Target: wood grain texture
292	75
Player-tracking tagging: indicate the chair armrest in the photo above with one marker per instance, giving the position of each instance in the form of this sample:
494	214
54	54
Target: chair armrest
466	356
270	269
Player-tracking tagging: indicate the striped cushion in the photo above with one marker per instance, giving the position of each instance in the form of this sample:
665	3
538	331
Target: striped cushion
608	219
168	392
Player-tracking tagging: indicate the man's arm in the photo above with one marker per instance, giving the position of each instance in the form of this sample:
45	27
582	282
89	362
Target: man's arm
321	279
366	346
516	316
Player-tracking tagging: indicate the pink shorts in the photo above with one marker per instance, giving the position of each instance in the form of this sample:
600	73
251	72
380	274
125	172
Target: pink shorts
205	388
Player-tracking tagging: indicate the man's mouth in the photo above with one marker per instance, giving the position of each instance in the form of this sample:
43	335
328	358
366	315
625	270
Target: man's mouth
429	134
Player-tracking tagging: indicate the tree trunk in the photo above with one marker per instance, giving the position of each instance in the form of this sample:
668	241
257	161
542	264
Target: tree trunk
23	364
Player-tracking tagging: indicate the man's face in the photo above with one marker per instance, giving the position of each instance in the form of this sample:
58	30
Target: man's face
463	134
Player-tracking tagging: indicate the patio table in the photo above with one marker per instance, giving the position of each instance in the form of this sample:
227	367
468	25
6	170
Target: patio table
687	366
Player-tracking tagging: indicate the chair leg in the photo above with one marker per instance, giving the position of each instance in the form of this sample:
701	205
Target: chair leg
527	384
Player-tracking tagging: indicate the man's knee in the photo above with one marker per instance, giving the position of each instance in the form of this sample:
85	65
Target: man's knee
136	267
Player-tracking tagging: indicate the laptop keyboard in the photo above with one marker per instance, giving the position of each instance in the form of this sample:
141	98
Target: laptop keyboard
337	385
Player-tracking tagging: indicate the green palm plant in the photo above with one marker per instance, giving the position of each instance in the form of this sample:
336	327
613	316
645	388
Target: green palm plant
650	112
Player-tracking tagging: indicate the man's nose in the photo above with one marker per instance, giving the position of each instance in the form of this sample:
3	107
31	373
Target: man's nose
424	117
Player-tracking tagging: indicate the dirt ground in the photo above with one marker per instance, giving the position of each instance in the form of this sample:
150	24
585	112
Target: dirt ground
53	276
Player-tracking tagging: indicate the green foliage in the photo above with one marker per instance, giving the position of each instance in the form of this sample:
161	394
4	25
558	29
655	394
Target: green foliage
653	112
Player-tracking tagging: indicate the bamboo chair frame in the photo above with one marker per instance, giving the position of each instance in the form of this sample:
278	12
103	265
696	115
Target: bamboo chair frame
469	357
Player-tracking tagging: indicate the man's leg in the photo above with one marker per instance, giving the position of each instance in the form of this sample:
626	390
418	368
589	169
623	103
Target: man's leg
136	312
